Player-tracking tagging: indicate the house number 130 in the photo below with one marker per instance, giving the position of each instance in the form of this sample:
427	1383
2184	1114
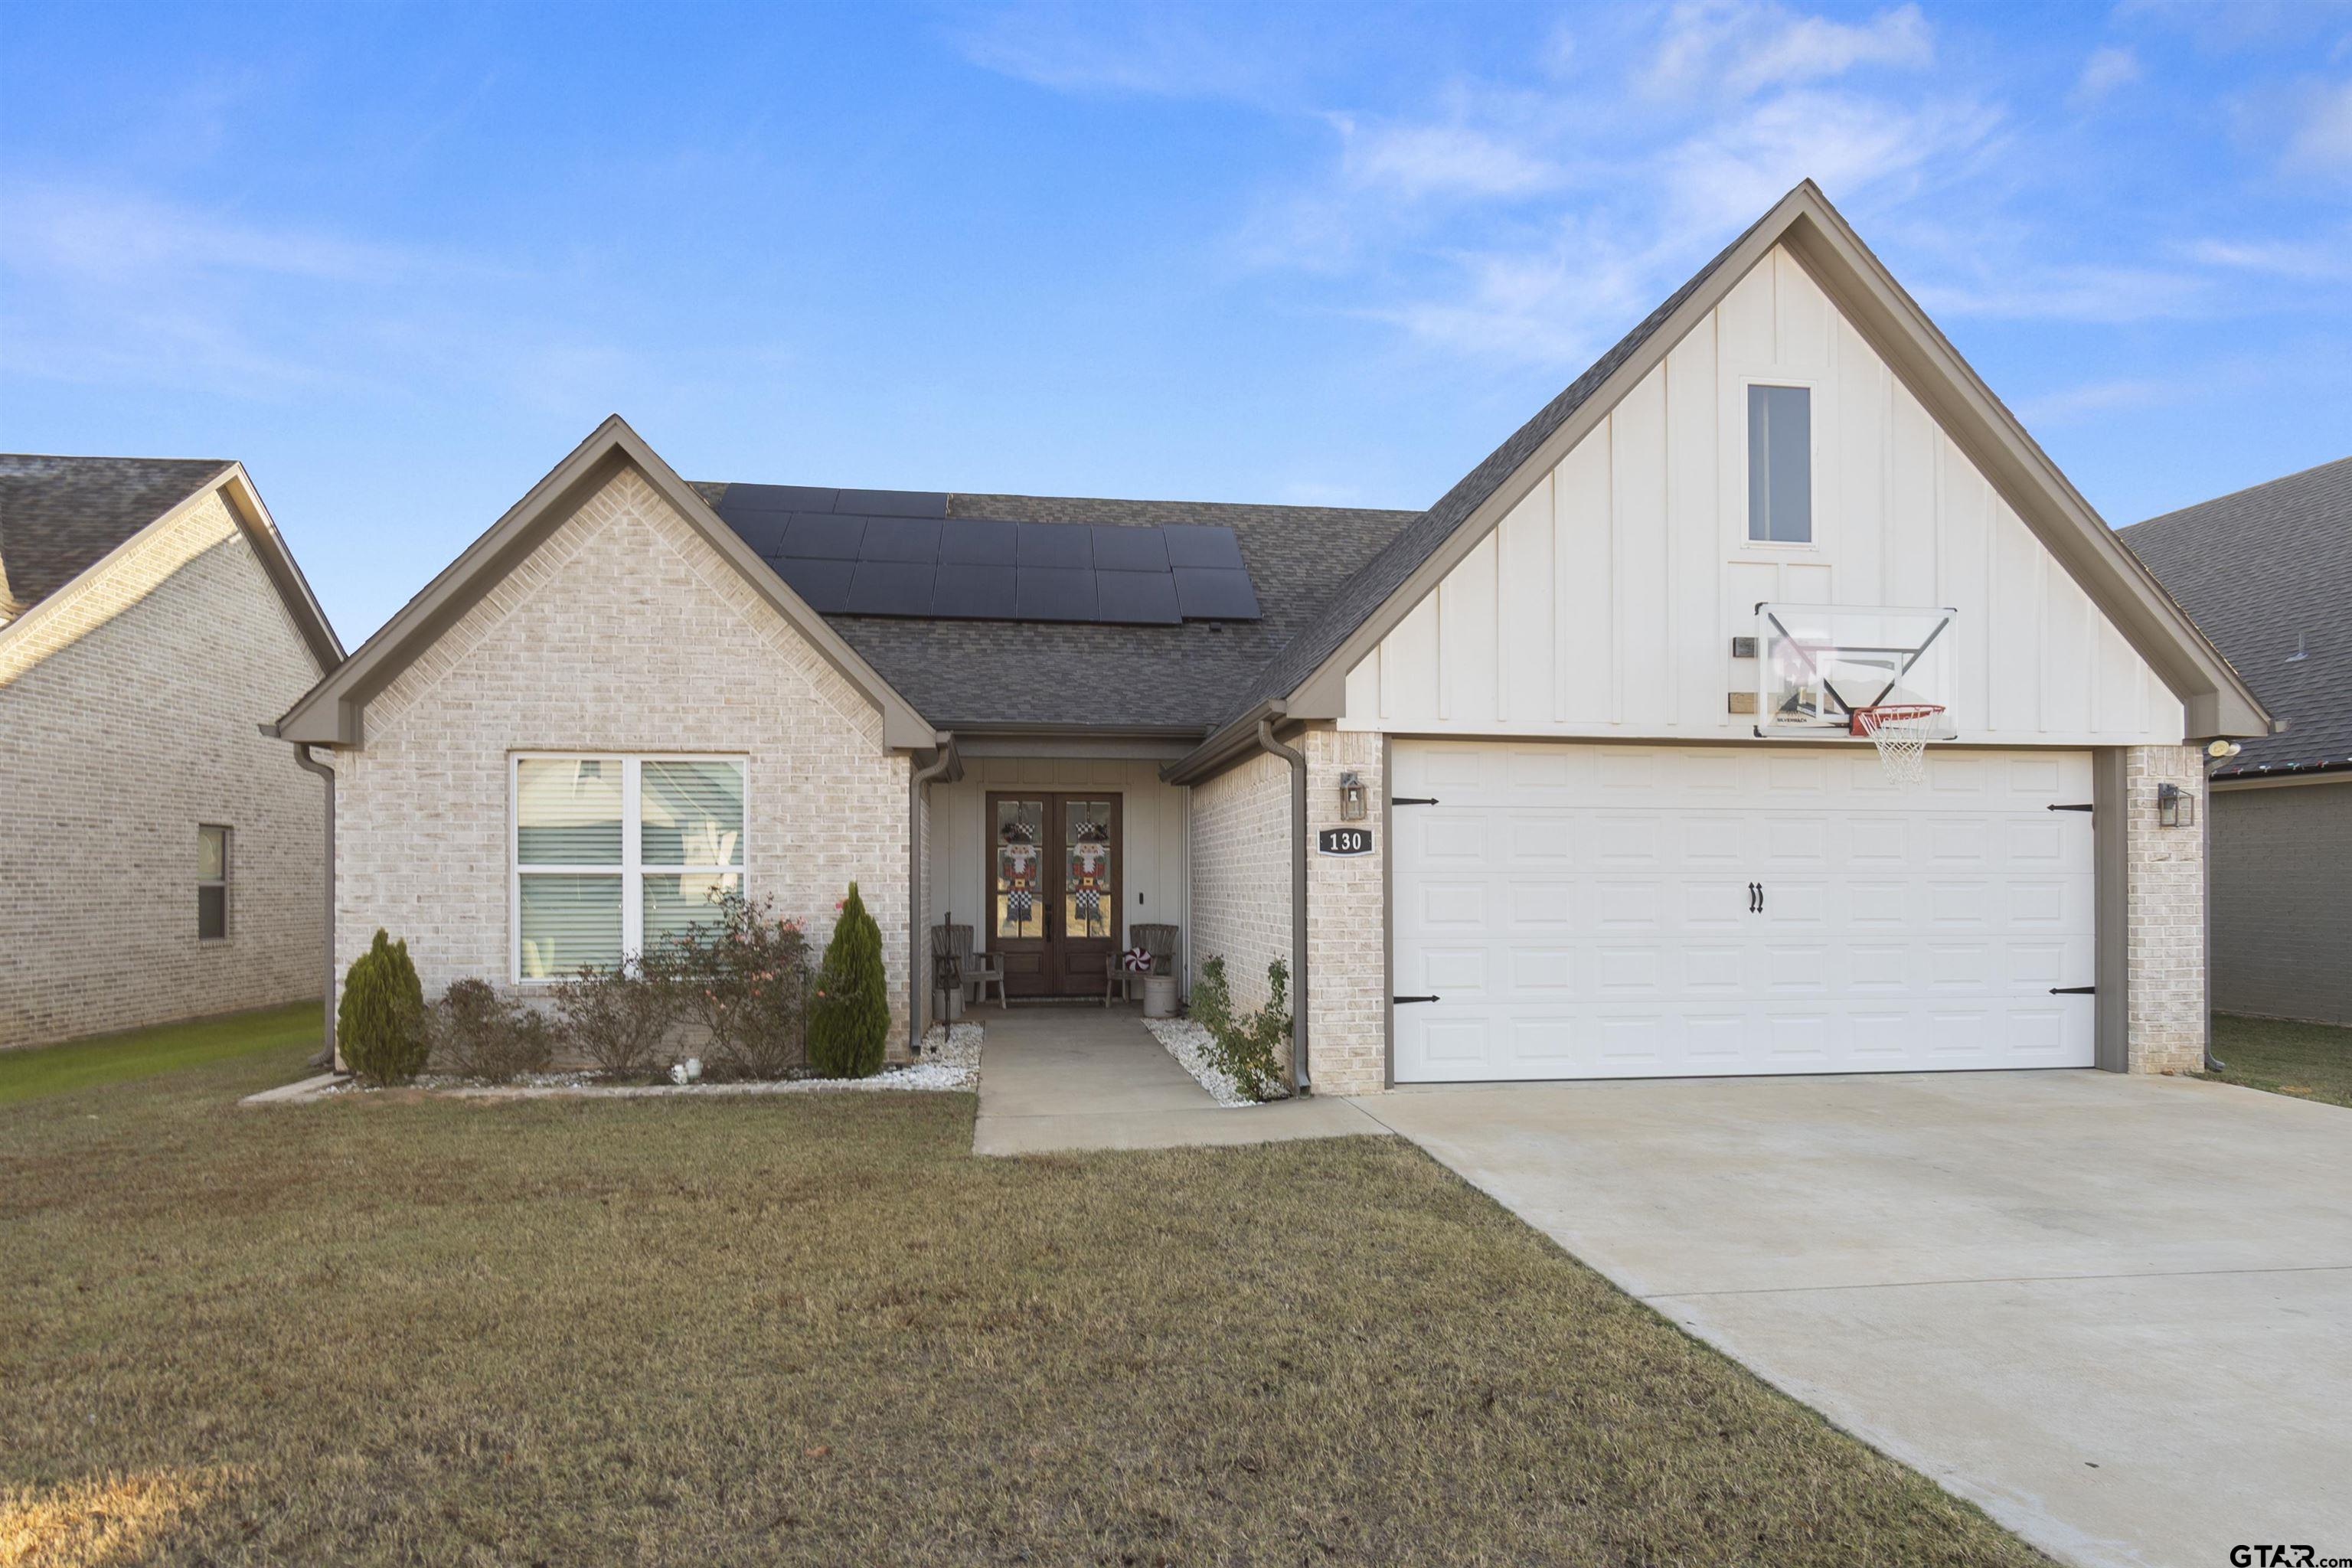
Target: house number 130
1344	841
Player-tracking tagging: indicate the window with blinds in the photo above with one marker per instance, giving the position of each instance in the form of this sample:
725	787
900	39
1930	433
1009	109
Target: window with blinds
611	853
212	883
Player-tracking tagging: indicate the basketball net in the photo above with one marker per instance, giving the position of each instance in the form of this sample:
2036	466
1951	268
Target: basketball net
1901	731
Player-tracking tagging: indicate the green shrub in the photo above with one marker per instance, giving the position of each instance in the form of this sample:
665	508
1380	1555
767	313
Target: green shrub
380	1026
473	1032
618	1020
1247	1050
851	1021
744	976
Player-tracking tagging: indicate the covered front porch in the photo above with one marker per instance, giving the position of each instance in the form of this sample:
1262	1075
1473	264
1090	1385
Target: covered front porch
1058	863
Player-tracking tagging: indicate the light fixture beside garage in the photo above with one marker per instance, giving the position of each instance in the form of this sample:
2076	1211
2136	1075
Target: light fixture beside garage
2175	806
1351	797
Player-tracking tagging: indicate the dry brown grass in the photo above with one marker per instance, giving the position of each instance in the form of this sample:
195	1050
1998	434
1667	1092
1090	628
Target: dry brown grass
815	1329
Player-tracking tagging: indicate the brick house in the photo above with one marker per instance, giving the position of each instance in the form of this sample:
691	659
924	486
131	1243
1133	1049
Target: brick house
1558	778
163	857
2267	574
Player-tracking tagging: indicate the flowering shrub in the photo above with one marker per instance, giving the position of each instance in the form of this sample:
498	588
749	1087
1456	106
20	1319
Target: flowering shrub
617	1019
743	975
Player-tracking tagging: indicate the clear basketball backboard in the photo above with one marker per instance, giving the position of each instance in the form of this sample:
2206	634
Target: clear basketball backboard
1818	663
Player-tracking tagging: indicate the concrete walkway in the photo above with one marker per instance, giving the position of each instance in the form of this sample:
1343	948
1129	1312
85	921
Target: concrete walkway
2112	1311
1062	1076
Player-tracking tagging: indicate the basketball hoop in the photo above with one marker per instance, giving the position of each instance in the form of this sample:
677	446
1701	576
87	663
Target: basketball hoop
1901	731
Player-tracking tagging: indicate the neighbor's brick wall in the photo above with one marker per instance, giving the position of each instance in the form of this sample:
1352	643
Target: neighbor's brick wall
2283	900
1241	874
624	631
2164	900
128	711
1347	1038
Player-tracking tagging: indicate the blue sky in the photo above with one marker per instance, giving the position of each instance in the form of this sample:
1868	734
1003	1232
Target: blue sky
400	259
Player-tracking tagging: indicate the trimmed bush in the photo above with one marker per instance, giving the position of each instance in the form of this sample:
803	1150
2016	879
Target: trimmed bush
379	1026
744	976
850	1019
475	1032
618	1020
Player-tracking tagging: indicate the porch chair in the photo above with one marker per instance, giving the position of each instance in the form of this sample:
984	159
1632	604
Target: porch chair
976	971
1160	941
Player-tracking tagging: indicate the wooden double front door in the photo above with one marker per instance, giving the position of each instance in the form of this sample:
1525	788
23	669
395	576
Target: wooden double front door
1053	882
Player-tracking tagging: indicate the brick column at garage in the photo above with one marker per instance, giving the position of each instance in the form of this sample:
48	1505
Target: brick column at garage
1346	995
2164	912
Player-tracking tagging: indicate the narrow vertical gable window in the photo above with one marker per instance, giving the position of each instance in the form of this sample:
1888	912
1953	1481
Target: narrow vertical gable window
1780	465
212	883
611	854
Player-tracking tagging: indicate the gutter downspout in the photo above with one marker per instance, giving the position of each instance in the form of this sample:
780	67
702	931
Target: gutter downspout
1294	1076
917	981
309	763
2205	906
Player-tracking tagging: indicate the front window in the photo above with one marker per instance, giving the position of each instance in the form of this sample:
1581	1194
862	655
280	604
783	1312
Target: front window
212	883
611	853
1780	465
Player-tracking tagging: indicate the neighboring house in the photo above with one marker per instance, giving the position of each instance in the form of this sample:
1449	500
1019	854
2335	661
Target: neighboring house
162	856
2267	574
1599	834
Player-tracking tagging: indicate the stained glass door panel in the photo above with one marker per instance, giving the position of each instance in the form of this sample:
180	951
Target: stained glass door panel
1054	909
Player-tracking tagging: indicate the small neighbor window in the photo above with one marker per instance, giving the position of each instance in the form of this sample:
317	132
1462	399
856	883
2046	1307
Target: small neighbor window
1780	465
212	883
611	853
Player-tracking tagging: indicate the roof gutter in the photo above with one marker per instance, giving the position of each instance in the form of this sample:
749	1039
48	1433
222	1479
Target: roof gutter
1225	745
946	764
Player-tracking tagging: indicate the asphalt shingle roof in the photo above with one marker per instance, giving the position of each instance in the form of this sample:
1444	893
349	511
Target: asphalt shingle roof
58	515
2266	572
960	673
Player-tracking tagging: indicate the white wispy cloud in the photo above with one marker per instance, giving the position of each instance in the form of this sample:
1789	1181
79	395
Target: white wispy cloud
2076	404
1436	160
2295	260
2110	66
2322	138
1744	47
1149	50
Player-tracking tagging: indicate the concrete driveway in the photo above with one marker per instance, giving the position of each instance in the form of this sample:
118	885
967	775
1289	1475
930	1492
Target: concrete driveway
2116	1312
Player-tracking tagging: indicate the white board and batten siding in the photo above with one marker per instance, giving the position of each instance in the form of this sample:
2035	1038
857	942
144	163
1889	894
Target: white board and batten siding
1605	603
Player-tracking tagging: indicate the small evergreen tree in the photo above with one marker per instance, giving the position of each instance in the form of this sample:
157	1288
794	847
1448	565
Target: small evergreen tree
380	1026
850	1020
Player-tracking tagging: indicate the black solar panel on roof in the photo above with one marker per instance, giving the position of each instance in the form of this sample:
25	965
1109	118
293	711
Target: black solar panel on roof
1199	544
816	535
1055	544
1053	593
893	503
1137	599
901	539
977	540
824	584
892	588
1128	549
1205	595
892	553
966	592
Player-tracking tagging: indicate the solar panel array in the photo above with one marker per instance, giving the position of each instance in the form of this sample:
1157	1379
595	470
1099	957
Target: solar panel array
897	552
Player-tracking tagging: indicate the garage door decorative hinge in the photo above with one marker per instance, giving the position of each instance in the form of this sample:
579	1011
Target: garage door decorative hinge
1400	1001
2084	806
1412	800
2074	990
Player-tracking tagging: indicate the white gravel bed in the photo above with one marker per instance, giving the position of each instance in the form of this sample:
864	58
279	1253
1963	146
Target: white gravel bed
1187	1042
951	1061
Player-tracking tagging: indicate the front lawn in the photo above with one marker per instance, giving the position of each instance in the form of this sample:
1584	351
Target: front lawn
815	1329
2310	1061
142	1053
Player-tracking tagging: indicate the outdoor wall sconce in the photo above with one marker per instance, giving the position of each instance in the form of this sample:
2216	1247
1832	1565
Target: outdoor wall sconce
2175	806
1351	797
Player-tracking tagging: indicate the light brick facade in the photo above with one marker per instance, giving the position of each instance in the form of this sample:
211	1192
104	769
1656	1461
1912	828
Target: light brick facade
2164	901
130	702
623	632
1347	1038
1241	874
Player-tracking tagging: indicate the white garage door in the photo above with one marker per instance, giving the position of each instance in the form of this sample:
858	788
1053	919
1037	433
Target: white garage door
1624	911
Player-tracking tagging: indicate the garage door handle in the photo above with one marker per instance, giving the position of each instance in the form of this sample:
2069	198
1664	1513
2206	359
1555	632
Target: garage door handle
1412	800
1400	1001
2074	990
